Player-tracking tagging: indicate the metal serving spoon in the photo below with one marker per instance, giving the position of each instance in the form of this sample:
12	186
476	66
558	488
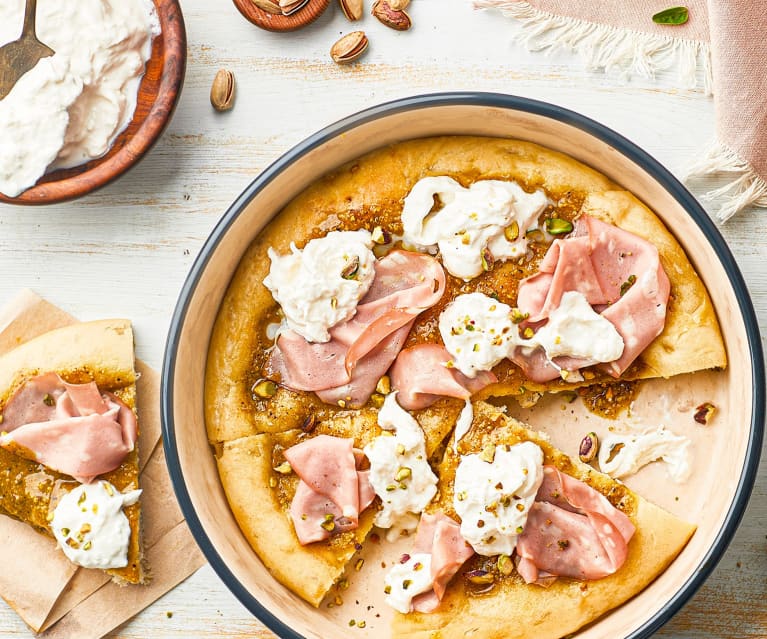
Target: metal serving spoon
19	56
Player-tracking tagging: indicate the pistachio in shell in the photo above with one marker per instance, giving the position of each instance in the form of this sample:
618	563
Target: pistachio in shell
352	9
222	90
289	7
349	47
398	5
270	6
393	18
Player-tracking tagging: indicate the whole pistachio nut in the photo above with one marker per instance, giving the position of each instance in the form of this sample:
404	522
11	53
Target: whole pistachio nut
349	47
352	9
270	6
393	18
222	90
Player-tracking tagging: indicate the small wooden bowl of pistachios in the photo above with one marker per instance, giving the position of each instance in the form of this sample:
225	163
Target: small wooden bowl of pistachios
281	15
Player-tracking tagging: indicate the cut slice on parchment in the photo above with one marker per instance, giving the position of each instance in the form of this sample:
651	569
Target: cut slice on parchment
68	360
513	609
260	497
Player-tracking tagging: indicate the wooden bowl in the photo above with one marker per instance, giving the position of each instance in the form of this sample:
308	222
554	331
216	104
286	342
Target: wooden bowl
158	93
716	499
276	22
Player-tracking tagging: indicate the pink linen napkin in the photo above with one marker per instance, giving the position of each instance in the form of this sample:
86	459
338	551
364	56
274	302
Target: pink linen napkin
723	37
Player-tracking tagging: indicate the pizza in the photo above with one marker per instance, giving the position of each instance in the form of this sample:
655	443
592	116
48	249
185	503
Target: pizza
368	322
68	444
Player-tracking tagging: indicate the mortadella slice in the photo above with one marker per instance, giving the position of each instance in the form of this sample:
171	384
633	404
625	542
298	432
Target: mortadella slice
439	536
77	430
618	273
332	491
421	376
572	531
361	349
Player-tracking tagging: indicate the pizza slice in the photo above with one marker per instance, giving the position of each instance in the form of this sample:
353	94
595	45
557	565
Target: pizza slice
69	444
305	499
581	544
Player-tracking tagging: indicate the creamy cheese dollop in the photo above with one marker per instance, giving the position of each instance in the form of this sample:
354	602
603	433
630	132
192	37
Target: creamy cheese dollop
71	106
91	527
321	285
574	329
399	471
621	455
471	220
477	332
407	580
493	498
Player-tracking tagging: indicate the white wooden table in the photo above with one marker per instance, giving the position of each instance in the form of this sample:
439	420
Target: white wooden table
125	250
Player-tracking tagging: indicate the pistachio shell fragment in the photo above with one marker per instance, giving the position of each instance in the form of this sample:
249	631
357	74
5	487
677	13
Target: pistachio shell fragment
352	9
222	90
479	577
289	7
349	47
386	14
704	413
269	6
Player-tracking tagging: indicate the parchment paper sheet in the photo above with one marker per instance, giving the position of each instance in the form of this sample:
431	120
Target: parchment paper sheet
37	580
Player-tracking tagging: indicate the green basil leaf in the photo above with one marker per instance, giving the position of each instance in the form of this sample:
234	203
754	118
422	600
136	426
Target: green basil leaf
673	15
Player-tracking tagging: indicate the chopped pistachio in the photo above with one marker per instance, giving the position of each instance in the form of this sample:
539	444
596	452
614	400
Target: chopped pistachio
48	400
384	385
328	524
558	226
505	565
391	487
333	302
589	447
406	584
361	624
284	468
512	232
358	564
108	488
264	388
400	449
488	454
88	545
387	590
351	270
377	400
627	284
403	472
65	531
273	482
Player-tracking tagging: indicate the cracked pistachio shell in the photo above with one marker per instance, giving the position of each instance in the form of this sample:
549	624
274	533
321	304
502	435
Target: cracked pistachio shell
349	47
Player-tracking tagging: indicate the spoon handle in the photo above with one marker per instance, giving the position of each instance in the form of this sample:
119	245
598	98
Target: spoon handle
29	18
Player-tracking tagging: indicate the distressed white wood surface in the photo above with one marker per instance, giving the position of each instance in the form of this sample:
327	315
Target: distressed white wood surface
125	250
